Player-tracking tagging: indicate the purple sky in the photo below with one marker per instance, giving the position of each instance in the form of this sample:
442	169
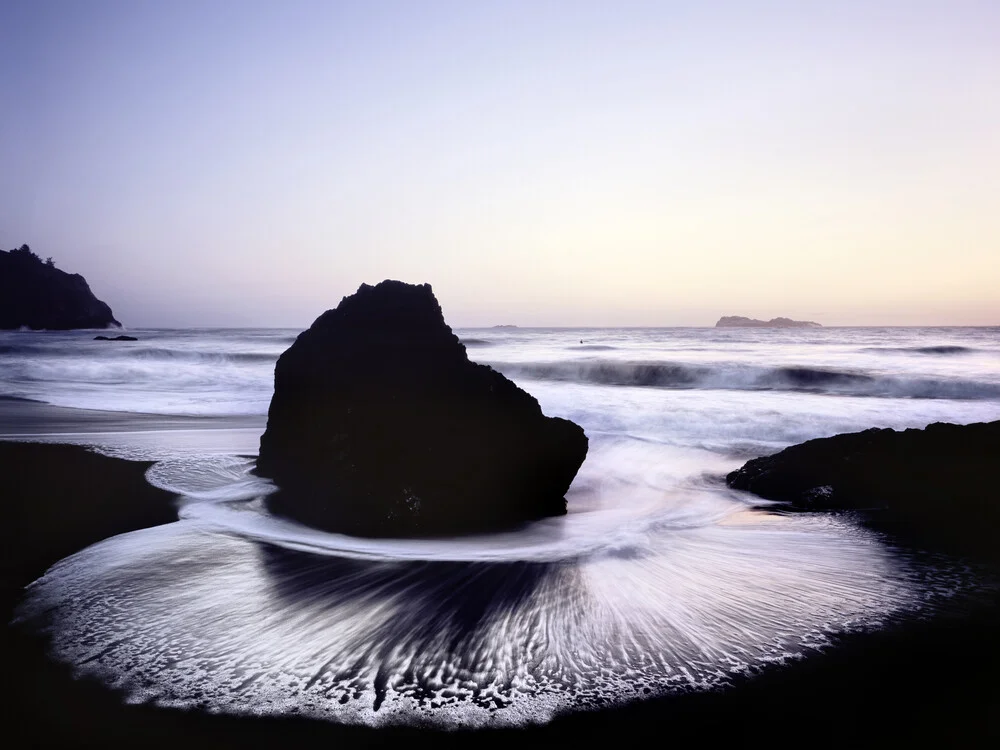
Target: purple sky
539	163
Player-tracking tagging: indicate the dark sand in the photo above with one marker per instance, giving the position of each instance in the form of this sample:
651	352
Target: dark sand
929	683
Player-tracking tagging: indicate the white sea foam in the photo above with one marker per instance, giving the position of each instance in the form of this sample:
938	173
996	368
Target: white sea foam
188	616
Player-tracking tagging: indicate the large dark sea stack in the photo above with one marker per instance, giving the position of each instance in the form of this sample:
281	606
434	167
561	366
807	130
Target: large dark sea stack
937	486
381	426
36	294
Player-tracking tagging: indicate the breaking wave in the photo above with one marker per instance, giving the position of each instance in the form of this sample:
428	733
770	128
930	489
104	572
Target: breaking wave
132	351
746	377
19	349
944	350
168	355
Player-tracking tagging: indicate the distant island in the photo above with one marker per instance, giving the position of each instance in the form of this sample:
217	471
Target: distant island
35	294
505	326
738	321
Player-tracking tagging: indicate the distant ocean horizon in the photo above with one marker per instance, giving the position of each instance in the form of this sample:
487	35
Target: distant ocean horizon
132	329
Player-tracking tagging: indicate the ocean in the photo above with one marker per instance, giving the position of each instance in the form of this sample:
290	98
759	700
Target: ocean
658	580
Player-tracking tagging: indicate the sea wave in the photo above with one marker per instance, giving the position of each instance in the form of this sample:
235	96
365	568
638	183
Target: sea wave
745	377
159	354
940	350
20	349
137	353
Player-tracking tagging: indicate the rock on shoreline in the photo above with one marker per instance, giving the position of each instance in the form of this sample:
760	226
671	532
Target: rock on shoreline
936	486
35	294
381	426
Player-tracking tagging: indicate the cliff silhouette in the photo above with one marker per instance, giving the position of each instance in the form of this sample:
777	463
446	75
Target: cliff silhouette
36	294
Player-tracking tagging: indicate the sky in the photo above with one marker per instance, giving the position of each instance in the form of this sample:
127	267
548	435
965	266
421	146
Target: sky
224	163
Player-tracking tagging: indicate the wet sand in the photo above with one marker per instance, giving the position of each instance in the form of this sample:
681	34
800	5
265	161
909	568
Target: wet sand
23	418
135	435
915	683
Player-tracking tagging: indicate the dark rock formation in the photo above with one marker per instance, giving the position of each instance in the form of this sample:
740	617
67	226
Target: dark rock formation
36	294
738	321
115	338
937	486
380	425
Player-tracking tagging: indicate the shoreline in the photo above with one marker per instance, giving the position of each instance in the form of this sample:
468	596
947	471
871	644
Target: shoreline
61	498
917	680
25	418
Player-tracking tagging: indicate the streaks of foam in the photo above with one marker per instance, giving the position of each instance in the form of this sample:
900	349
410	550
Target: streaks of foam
209	478
188	616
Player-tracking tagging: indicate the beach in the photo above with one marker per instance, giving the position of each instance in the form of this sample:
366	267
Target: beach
193	620
920	682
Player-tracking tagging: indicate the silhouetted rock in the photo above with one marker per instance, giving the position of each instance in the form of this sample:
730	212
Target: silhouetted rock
115	338
936	486
380	425
36	294
738	321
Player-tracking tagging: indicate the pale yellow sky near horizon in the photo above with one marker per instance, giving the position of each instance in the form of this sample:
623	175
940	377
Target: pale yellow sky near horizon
563	164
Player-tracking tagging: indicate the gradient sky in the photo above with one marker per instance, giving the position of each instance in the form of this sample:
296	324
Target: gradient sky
539	163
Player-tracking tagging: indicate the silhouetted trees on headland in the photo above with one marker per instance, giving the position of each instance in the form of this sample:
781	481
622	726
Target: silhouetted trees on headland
25	255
